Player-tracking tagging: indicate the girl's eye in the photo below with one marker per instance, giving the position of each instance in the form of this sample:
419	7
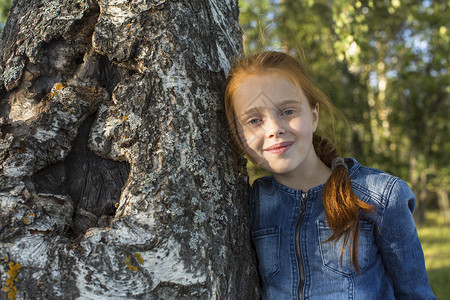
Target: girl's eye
254	122
288	112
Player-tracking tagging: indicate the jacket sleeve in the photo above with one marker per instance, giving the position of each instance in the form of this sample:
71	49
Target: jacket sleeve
400	246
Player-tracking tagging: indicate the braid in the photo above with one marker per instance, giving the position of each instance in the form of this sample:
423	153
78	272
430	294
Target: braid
324	149
341	204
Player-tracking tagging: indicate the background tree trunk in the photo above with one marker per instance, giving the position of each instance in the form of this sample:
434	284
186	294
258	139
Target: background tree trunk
117	176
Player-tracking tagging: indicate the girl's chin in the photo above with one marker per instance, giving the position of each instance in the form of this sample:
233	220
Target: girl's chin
276	167
281	169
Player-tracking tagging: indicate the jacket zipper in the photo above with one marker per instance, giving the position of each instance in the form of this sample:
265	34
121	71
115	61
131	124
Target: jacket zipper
297	245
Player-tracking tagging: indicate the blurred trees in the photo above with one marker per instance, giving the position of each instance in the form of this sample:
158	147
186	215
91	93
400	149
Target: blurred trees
5	6
385	65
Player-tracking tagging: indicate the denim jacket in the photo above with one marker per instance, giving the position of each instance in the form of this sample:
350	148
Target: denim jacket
289	231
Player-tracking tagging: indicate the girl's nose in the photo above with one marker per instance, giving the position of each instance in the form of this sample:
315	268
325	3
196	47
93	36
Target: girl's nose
274	128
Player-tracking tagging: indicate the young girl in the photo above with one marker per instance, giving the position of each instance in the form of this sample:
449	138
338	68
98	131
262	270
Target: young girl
323	227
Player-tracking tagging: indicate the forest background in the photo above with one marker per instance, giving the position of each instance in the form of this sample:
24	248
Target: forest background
385	65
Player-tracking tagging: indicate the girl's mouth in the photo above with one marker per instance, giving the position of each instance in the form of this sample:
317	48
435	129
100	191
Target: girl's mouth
279	148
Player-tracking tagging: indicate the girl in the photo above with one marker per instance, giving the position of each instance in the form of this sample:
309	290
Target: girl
323	227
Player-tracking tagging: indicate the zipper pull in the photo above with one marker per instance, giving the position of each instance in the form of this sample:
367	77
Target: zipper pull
304	195
303	204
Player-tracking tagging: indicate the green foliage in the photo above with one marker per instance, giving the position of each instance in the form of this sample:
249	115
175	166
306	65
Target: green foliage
256	18
385	65
5	6
254	171
434	236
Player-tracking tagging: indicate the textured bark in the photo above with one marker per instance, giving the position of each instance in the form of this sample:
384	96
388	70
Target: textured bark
117	176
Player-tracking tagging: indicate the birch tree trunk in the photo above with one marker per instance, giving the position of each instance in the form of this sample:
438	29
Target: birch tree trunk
118	178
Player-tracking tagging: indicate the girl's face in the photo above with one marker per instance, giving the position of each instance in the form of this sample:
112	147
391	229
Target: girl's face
275	123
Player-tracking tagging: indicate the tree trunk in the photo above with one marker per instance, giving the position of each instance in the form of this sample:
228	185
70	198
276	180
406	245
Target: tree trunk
117	177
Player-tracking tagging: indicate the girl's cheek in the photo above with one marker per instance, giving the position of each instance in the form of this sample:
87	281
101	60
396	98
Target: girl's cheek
252	137
246	142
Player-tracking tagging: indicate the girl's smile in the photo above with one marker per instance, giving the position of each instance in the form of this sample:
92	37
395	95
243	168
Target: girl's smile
276	123
279	148
315	201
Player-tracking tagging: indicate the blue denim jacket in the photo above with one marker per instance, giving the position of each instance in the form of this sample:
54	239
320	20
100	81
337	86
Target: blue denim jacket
289	231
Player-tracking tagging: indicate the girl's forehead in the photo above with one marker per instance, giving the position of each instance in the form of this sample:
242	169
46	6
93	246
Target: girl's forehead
266	91
271	84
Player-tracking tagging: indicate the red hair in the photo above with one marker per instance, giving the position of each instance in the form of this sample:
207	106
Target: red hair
341	205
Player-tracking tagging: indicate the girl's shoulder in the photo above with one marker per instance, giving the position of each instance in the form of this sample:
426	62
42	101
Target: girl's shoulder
263	185
367	175
376	185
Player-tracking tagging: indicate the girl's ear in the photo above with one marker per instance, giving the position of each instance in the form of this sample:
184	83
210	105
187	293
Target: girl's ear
315	117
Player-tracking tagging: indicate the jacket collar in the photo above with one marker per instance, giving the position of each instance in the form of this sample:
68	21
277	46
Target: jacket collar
352	164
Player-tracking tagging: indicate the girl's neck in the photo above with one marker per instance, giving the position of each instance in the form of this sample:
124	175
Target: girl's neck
313	173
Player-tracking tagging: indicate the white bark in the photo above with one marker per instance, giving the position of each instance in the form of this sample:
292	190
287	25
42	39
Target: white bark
117	104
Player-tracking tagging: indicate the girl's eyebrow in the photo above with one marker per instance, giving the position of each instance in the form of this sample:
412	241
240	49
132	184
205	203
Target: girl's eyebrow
251	111
278	105
289	101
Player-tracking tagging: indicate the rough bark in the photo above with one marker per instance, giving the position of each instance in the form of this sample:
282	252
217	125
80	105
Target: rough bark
117	177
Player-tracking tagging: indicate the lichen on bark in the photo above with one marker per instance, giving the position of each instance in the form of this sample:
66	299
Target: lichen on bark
116	165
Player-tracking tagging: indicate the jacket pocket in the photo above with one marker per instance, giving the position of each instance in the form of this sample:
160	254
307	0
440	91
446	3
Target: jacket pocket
331	251
267	244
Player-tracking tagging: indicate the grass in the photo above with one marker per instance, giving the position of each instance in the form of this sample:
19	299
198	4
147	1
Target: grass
435	238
